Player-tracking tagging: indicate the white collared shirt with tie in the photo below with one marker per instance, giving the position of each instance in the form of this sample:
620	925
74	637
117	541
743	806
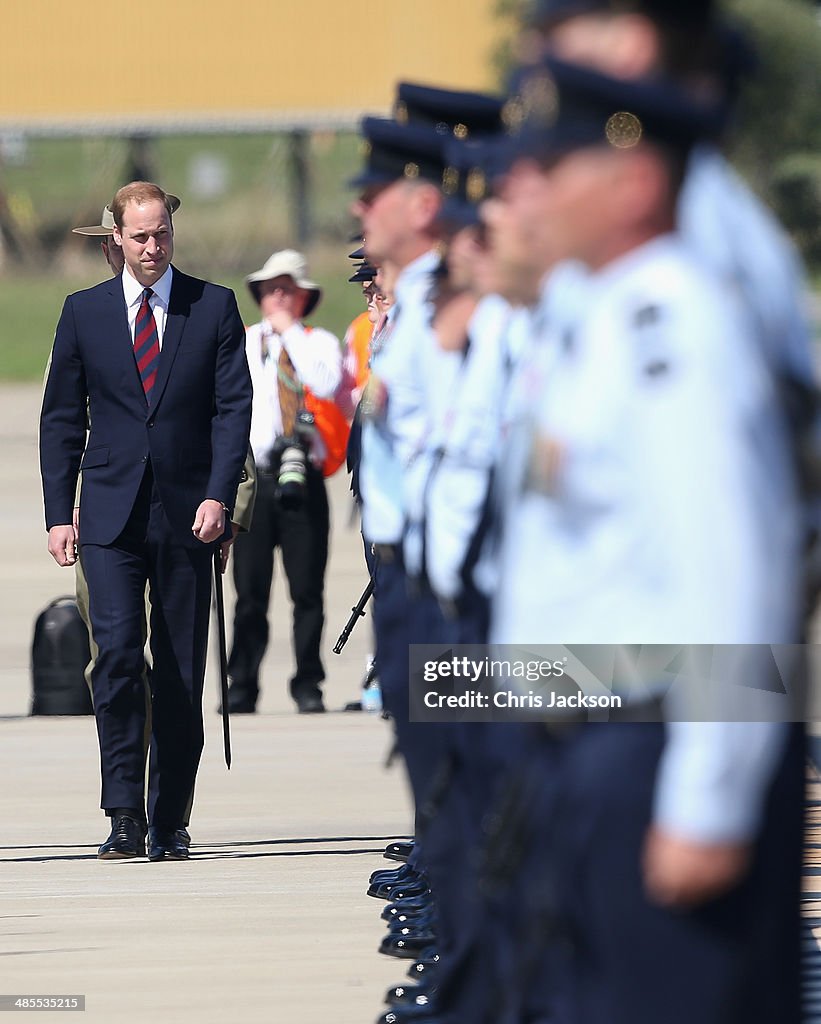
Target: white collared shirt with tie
133	292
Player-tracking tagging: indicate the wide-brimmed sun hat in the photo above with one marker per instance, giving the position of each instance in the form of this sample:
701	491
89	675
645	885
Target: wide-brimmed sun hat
106	225
286	263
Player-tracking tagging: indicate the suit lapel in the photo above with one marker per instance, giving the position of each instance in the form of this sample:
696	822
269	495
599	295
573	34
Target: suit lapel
179	307
121	344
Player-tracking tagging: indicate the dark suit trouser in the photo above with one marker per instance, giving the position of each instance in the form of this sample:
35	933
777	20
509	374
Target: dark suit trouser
179	581
302	536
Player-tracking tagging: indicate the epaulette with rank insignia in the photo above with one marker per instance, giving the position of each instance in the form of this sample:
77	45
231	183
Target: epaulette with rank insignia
653	356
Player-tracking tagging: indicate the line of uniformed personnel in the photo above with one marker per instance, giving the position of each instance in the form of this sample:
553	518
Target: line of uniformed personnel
575	432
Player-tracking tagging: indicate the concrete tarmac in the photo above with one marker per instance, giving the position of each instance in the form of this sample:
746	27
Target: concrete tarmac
269	921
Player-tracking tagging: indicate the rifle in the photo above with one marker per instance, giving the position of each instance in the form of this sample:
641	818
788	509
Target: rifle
358	611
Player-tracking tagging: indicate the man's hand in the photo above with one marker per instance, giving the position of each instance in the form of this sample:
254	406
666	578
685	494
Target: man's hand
62	544
679	873
209	522
280	320
225	548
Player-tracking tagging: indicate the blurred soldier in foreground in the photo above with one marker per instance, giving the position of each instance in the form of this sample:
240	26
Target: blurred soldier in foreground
656	854
411	374
736	236
397	206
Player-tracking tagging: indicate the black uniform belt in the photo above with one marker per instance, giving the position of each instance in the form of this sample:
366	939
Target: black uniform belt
387	553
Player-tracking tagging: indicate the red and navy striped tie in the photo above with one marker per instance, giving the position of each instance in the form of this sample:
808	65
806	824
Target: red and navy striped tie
146	344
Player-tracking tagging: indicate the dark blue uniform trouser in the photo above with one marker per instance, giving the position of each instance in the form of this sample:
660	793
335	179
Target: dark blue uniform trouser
573	939
180	591
399	621
472	760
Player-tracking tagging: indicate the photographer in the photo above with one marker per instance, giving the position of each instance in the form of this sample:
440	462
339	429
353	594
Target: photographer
291	367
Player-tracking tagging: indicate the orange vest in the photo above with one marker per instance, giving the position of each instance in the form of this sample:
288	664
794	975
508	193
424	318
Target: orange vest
332	426
358	338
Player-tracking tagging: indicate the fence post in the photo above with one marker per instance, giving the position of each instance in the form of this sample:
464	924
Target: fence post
300	186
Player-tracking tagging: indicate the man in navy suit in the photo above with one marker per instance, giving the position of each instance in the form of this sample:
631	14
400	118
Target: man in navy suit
156	359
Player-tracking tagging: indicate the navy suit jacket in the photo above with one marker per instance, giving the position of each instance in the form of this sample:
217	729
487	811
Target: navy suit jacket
195	432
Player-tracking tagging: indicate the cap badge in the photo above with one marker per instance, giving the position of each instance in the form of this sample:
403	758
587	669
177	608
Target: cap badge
476	185
450	181
623	130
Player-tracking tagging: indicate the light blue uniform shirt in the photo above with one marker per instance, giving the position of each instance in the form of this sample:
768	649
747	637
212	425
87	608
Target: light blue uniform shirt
440	371
392	435
739	240
534	341
465	443
658	506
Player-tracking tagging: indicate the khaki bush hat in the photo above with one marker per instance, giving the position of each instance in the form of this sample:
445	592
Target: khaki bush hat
287	263
106	225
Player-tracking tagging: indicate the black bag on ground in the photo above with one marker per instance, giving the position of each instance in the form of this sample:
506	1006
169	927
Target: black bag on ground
59	655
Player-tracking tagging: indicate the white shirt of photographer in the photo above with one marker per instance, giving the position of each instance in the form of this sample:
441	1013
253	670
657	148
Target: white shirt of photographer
317	359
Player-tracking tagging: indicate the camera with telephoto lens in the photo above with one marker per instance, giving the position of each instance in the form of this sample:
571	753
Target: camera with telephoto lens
291	451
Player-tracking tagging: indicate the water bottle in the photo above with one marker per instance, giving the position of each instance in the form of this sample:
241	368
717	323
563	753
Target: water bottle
371	693
372	698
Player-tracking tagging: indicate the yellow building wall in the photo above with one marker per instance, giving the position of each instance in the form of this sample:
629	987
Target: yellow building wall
252	60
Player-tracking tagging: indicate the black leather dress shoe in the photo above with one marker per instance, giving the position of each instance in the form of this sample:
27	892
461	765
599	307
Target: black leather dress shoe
425	967
422	1014
399	891
166	844
398	851
310	704
425	922
388	890
406	946
410	995
403	874
127	839
407	908
241	701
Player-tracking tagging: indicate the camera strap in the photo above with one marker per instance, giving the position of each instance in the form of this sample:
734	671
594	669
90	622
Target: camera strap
291	392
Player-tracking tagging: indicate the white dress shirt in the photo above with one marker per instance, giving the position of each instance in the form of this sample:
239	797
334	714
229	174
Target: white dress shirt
317	360
133	292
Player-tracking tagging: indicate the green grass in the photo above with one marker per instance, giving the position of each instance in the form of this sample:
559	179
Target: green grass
29	309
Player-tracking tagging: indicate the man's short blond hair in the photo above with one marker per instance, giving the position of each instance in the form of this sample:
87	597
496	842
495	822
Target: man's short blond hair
138	192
